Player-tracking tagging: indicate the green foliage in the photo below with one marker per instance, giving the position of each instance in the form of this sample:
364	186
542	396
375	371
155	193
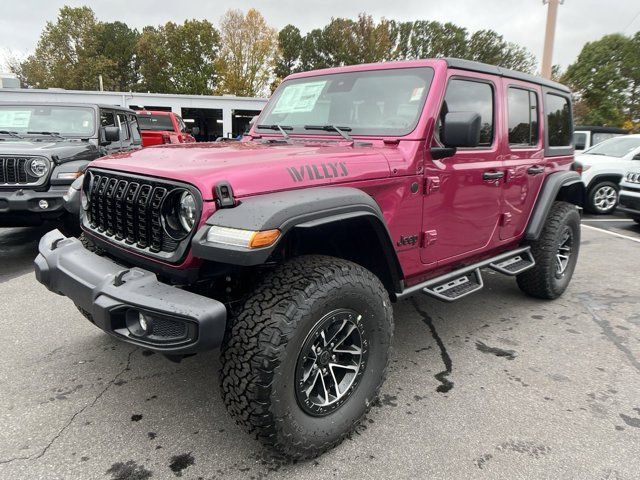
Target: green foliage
606	81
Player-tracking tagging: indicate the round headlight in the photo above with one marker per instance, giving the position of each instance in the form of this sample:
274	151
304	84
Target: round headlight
179	212
187	213
38	167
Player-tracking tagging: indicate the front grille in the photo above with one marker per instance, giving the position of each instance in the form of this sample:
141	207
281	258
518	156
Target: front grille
13	171
128	210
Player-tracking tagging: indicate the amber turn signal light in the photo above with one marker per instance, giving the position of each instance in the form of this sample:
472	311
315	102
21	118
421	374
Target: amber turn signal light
264	238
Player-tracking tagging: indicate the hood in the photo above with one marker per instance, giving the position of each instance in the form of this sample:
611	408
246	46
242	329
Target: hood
253	167
64	150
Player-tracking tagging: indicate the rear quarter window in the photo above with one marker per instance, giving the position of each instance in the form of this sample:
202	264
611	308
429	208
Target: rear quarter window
558	111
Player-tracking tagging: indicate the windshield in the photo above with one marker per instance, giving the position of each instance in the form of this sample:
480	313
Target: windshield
377	102
155	122
615	147
62	120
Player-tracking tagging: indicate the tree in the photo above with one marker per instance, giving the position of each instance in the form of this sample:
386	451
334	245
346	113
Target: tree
63	55
289	48
605	80
115	46
179	58
246	58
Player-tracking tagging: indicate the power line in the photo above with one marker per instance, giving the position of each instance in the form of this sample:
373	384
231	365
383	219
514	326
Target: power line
631	22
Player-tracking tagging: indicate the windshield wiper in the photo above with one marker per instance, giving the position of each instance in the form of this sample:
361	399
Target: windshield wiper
332	128
51	134
10	133
281	128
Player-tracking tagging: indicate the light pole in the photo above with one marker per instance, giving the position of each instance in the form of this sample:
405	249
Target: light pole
549	34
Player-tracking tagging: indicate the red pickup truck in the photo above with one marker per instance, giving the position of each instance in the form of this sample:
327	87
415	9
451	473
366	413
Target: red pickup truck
159	127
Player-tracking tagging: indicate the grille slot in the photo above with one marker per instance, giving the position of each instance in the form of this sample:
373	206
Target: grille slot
13	172
129	210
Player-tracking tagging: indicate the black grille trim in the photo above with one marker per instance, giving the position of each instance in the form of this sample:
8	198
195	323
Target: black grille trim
13	172
126	210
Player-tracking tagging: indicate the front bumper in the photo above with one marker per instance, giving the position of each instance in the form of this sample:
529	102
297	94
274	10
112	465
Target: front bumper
21	207
629	203
112	297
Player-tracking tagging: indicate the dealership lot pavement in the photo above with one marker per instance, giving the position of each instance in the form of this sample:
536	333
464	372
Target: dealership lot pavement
528	389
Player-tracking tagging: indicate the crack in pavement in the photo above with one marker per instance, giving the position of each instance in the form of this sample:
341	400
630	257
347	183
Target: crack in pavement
608	331
445	383
74	416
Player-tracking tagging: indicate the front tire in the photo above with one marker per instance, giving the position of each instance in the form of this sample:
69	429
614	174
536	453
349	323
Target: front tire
281	377
603	198
555	253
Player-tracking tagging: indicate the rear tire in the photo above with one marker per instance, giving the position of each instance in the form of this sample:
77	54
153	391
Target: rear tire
269	356
603	198
560	238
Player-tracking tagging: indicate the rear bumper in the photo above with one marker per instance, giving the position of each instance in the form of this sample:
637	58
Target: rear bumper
21	207
113	296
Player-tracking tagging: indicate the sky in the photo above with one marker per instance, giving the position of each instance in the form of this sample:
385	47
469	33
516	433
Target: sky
520	21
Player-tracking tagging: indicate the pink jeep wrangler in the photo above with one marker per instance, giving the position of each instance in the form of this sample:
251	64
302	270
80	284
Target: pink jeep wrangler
357	187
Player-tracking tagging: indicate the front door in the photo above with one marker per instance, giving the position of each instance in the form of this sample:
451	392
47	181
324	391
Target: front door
523	156
464	192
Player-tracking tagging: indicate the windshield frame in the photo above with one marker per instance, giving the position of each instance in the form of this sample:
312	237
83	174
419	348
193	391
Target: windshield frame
53	105
356	130
607	142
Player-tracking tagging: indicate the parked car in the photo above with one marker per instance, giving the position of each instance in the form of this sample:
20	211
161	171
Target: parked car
630	194
160	127
358	187
45	147
602	168
586	137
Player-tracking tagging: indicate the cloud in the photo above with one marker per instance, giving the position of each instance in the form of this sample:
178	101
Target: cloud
520	21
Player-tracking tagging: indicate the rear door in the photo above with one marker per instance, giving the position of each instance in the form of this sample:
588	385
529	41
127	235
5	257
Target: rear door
463	193
524	160
125	134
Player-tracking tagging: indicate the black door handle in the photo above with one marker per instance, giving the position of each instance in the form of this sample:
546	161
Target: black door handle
535	170
492	175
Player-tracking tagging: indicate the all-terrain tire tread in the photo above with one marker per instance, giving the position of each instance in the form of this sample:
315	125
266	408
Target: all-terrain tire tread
535	282
258	335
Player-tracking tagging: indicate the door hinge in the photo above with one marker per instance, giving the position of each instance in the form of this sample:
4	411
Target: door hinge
429	238
431	185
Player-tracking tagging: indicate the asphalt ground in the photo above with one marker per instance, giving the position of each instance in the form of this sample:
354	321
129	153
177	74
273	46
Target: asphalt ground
497	385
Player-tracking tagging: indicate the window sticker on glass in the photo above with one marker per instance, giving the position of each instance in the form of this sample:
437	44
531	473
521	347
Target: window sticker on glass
299	98
14	119
416	94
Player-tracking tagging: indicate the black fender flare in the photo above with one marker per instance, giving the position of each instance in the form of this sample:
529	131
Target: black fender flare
288	210
554	186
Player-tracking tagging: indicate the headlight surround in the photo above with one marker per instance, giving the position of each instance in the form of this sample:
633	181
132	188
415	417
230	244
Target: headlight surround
38	167
179	214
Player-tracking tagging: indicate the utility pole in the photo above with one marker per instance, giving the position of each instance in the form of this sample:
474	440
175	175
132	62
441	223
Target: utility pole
549	34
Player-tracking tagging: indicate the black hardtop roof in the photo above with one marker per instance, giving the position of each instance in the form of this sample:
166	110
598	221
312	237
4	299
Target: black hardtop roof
503	72
70	104
595	128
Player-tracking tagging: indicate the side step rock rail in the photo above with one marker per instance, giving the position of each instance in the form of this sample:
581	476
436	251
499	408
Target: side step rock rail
458	284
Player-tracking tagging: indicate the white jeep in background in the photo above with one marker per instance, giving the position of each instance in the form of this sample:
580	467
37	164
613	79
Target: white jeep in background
630	194
602	168
586	137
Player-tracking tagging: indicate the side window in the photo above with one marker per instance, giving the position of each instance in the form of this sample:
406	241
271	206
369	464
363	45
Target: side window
523	117
471	96
107	119
124	129
135	130
558	120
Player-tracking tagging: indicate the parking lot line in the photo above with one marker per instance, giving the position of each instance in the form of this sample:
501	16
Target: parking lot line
611	233
607	220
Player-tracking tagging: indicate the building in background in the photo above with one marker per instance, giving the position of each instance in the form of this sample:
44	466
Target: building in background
215	117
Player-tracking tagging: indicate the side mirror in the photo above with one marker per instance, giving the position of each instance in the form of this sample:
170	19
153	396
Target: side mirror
110	134
195	131
461	129
636	156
